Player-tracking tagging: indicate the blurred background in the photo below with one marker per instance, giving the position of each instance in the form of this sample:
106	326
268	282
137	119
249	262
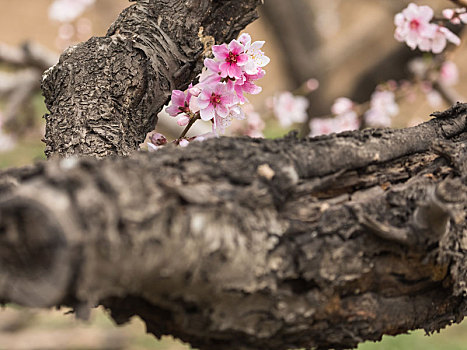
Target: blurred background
320	50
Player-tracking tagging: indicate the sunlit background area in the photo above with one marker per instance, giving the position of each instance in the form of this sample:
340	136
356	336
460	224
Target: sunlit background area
333	63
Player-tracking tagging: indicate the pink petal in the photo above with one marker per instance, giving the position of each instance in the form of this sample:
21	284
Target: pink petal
257	45
221	52
173	110
242	59
235	71
211	65
204	99
425	13
411	11
438	44
222	111
450	36
183	120
207	113
399	19
235	47
194	106
251	88
244	39
448	13
425	44
178	98
412	40
224	69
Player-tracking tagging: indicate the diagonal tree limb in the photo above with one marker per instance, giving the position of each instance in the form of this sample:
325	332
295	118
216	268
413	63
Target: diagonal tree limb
251	244
104	94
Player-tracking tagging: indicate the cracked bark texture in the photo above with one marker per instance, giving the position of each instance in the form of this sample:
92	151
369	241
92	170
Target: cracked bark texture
104	94
239	243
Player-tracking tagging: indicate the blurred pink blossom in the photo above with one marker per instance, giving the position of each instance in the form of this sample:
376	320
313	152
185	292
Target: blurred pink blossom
290	109
383	107
342	105
342	122
413	26
449	73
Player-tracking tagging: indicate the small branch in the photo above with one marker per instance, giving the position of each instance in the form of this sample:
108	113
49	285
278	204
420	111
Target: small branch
190	124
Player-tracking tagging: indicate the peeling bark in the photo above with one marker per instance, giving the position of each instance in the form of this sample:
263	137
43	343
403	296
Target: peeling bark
239	243
104	94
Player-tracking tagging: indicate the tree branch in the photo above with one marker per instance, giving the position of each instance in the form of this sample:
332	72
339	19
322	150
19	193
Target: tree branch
239	243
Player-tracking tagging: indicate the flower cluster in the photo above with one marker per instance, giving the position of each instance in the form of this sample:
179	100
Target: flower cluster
220	93
414	26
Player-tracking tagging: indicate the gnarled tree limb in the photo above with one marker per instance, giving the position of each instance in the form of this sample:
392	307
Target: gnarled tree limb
251	244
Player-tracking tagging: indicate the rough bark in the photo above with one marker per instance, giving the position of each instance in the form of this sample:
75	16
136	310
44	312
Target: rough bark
104	94
239	243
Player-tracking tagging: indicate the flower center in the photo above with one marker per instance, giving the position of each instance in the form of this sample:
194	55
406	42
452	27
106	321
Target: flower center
215	99
232	58
414	24
185	108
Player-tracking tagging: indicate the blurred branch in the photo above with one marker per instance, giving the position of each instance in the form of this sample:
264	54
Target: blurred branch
28	55
450	95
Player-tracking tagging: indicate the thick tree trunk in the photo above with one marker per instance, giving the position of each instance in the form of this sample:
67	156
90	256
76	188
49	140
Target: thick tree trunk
240	243
104	94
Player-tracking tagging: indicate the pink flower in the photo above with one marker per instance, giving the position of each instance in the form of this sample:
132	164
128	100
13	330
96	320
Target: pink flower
383	107
413	26
180	103
342	105
215	101
290	109
449	73
231	59
256	58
